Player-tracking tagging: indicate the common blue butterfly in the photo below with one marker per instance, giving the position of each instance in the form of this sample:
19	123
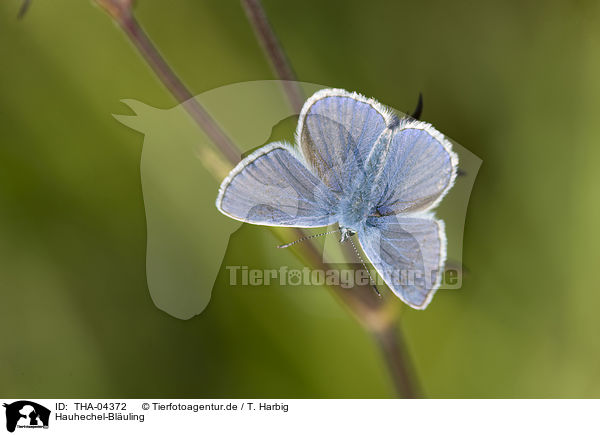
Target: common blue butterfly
355	164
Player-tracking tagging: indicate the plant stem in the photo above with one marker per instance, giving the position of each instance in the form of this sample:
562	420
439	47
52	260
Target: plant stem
377	318
393	349
272	48
121	11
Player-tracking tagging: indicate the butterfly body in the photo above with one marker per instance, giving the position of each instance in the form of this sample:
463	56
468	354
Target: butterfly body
367	189
361	167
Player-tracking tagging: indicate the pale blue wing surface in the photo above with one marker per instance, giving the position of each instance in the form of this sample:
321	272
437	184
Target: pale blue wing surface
273	187
336	131
419	170
408	253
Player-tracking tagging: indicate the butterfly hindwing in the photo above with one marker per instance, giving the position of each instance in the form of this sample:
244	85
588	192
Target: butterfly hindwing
408	253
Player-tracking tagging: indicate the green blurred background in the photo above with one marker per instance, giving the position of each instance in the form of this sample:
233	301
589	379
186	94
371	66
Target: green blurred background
514	82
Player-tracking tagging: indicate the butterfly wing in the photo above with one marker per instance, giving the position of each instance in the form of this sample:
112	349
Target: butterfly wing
420	168
408	253
336	131
273	187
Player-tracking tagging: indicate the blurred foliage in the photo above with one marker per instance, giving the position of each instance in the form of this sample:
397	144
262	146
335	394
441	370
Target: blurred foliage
514	82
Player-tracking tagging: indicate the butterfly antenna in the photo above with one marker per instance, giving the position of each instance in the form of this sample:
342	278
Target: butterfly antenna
302	239
365	266
419	109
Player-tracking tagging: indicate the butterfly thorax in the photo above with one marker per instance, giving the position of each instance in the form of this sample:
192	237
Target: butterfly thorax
356	207
353	210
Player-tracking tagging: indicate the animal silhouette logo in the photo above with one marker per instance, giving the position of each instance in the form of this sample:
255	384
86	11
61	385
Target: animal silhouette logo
26	414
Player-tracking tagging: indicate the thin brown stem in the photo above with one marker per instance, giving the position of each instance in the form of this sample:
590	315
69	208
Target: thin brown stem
24	8
394	353
274	52
121	11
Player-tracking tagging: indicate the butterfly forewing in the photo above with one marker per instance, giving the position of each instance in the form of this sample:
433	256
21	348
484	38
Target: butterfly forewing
272	187
419	170
336	132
